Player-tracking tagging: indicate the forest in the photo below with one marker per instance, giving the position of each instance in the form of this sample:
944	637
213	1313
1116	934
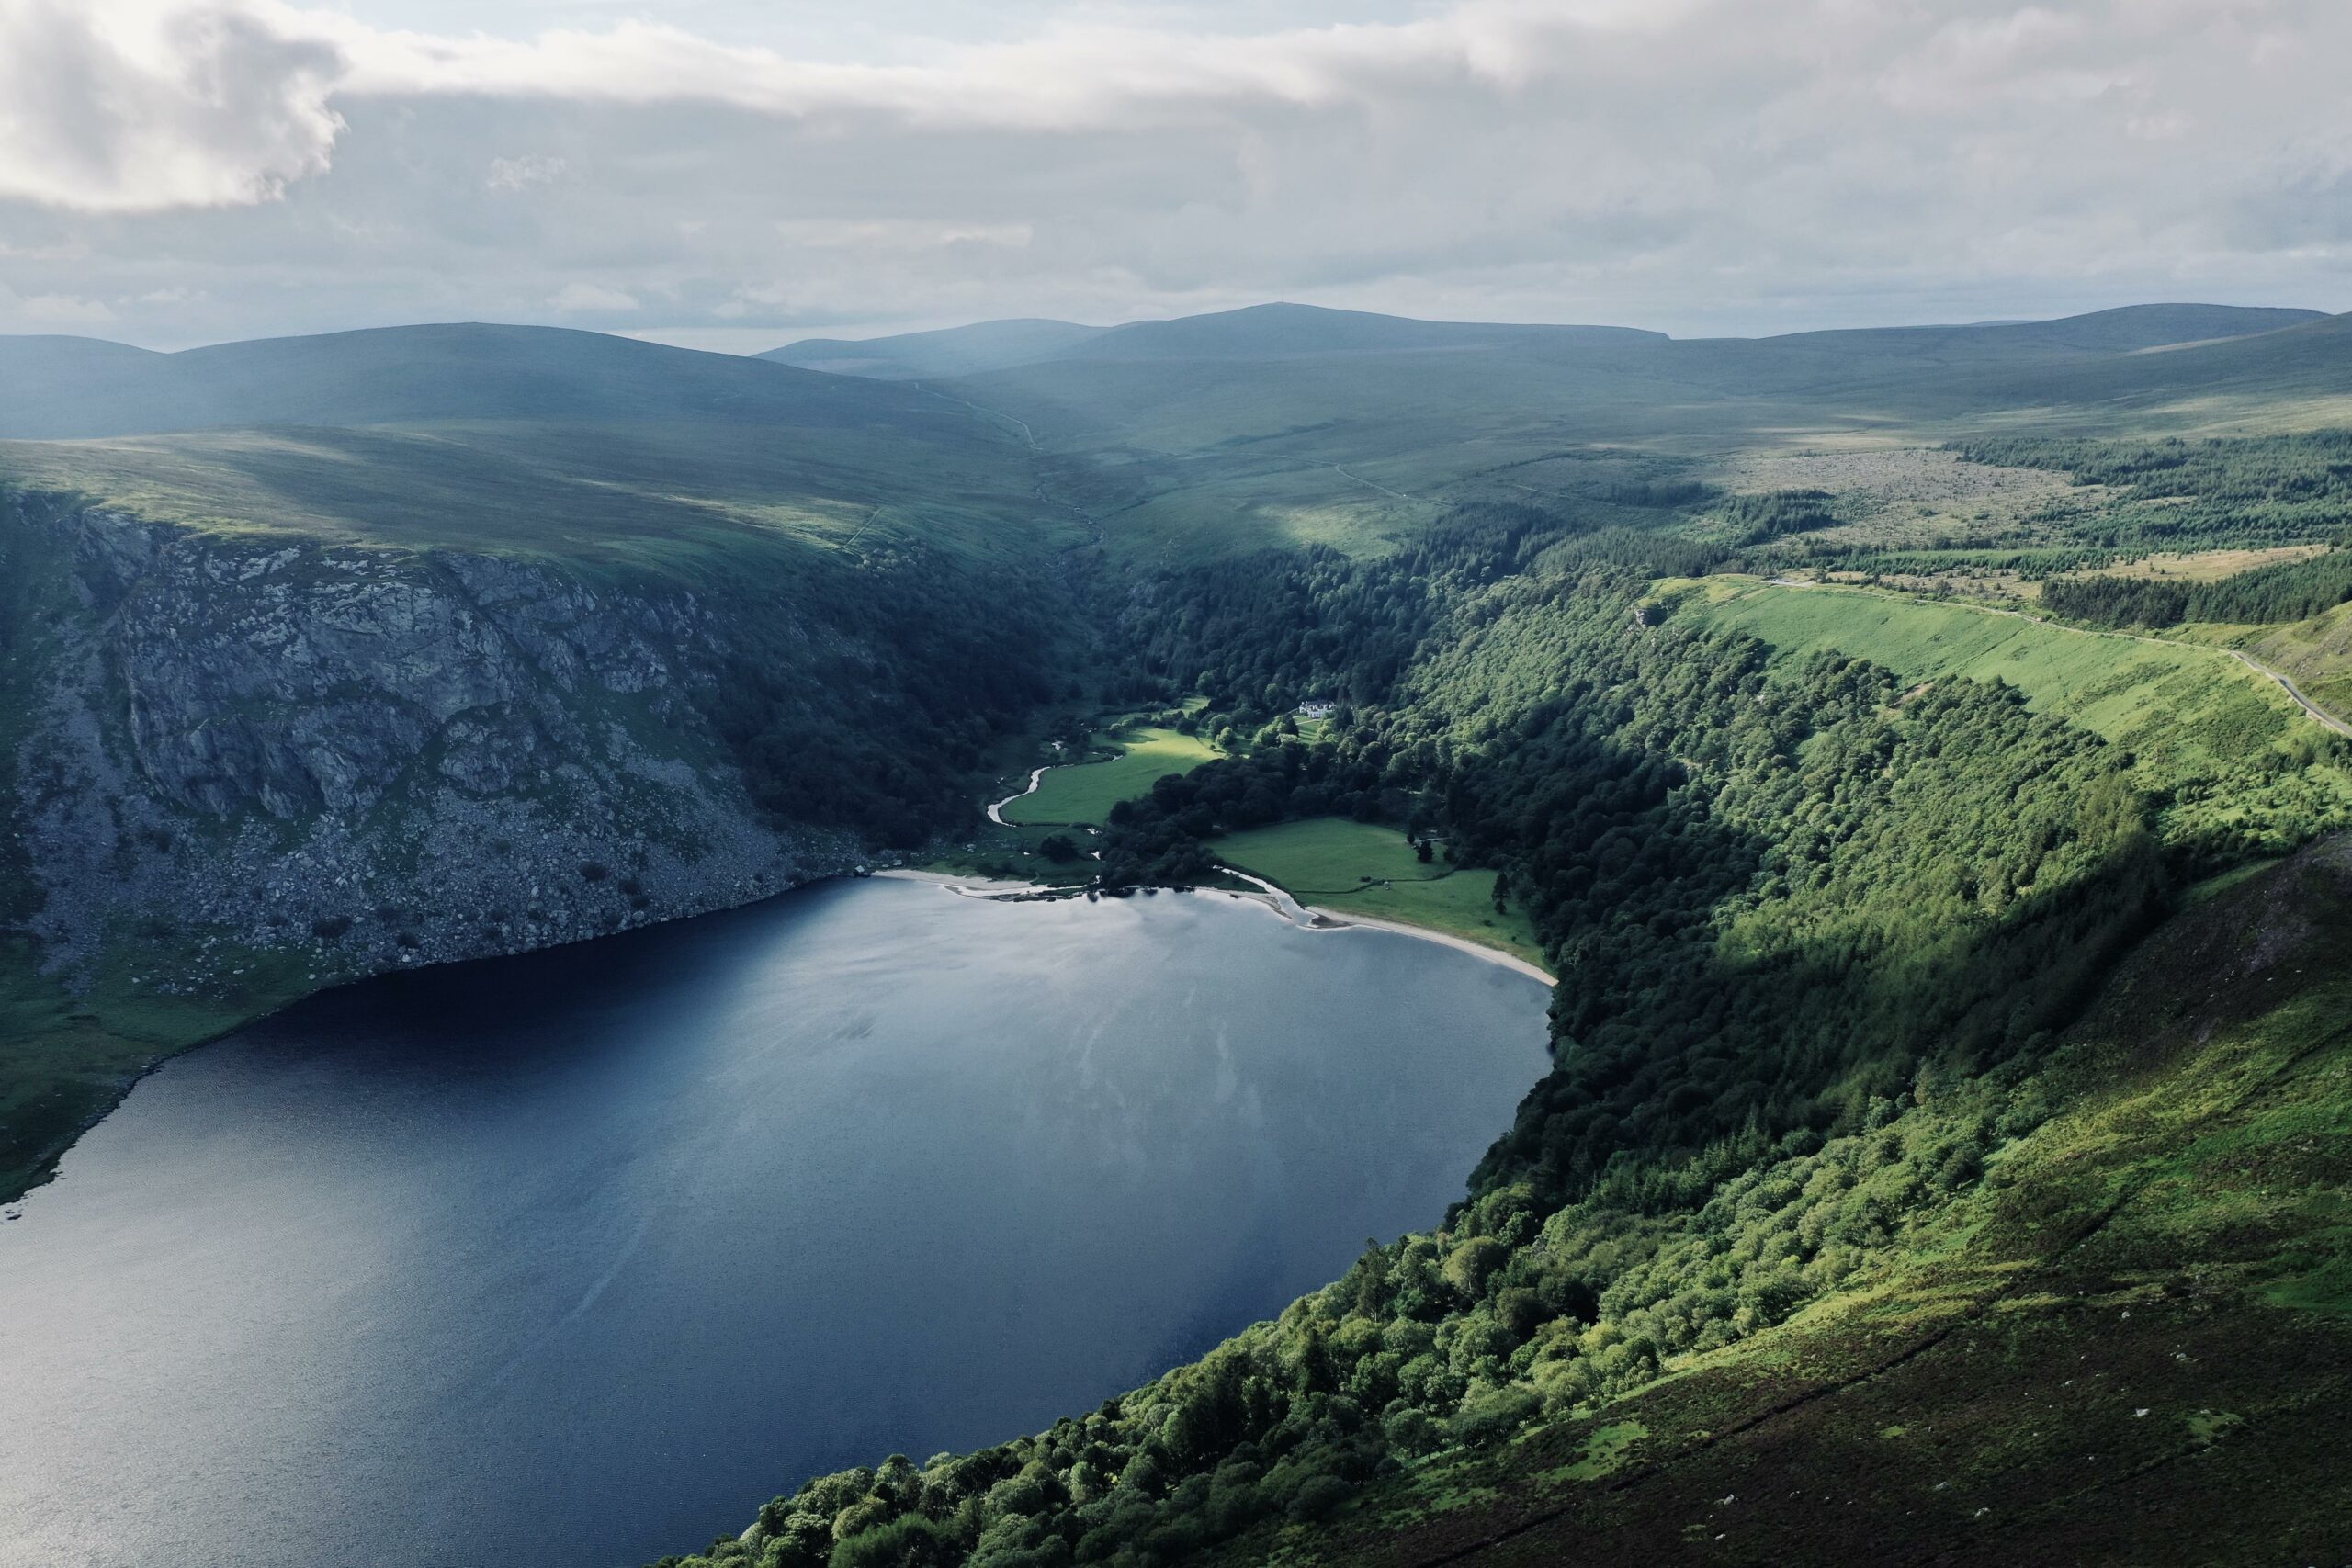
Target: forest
2291	590
1819	938
885	743
2175	494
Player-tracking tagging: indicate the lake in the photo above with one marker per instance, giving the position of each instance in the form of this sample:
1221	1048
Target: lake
578	1258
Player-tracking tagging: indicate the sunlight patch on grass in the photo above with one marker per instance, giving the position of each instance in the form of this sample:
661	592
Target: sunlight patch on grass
1085	792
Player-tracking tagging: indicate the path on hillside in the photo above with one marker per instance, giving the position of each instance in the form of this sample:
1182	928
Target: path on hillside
2309	706
1373	484
1027	435
2286	683
2326	719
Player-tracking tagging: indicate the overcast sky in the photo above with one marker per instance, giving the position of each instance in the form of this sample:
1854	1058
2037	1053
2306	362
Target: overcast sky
735	174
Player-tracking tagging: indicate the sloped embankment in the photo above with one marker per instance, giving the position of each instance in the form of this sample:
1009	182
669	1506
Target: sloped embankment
2126	1344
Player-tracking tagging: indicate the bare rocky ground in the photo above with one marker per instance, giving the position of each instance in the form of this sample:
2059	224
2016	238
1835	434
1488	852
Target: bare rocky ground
368	759
1904	496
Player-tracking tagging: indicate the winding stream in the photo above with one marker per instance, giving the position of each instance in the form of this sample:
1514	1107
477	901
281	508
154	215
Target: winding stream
996	809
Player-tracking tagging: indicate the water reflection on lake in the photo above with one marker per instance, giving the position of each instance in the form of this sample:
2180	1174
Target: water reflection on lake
576	1259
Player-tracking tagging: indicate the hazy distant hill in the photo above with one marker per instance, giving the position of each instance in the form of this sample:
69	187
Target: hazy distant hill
532	440
2121	330
53	388
1293	331
1200	435
1279	332
1255	332
952	351
1285	424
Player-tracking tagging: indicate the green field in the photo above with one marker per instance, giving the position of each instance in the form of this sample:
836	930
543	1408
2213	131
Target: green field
1358	868
70	1058
662	497
2187	706
1085	792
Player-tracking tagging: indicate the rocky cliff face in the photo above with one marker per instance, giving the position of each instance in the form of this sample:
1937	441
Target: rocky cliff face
368	758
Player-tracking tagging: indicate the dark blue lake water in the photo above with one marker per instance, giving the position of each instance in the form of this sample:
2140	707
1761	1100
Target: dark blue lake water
576	1259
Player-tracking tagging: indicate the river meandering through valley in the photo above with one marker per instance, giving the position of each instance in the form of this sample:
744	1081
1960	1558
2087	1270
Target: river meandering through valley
577	1258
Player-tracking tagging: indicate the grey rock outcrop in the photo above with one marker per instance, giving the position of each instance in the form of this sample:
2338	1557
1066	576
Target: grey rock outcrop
371	758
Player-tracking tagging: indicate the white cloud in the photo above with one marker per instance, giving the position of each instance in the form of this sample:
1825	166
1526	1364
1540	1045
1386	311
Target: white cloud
521	174
127	106
1687	164
65	310
48	312
577	296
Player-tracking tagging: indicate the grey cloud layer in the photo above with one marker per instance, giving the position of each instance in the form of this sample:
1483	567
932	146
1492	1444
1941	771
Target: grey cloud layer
178	171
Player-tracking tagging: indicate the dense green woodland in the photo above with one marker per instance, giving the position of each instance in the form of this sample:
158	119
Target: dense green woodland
2180	494
2293	591
830	733
1820	939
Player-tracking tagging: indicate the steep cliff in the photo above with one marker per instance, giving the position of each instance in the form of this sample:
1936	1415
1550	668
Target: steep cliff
240	765
369	757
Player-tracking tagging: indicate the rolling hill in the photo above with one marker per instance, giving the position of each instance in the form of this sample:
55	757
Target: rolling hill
1292	425
1289	332
63	387
950	351
530	440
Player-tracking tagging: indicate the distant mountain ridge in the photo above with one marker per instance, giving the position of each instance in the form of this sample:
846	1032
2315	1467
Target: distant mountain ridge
2124	329
69	388
1290	331
58	387
1253	332
950	351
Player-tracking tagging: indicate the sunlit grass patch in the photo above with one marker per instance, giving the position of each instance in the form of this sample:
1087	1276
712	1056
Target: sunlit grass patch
1085	792
1362	868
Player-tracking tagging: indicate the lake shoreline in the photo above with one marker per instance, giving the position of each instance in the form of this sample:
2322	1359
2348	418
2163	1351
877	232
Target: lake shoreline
553	1192
1308	917
1334	920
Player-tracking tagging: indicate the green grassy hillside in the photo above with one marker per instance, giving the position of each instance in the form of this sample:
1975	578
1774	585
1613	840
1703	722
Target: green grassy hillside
1370	872
560	445
1243	431
683	497
1084	792
2122	1344
2226	748
2196	705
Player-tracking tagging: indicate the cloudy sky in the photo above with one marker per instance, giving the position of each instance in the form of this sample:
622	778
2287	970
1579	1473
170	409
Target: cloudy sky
734	173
